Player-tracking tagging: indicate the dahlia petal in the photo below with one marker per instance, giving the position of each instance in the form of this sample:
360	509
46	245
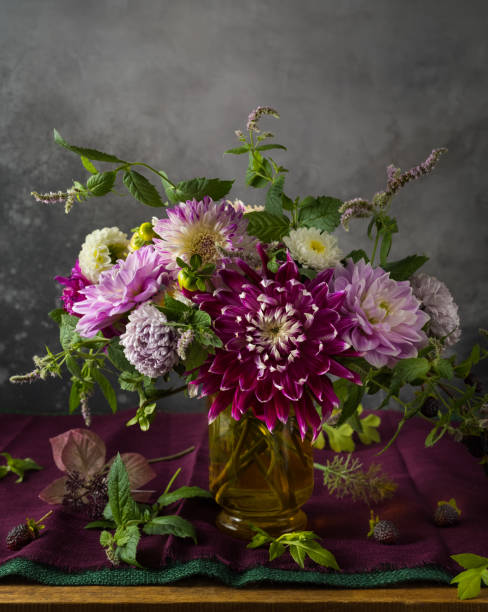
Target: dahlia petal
220	403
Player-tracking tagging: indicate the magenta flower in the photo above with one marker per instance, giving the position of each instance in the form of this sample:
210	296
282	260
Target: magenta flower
281	338
73	284
387	317
209	229
127	284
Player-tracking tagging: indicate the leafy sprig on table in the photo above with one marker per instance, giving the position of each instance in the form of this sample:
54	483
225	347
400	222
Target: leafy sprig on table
129	519
17	466
299	544
469	581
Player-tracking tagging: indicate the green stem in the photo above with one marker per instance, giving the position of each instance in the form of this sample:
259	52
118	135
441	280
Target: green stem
182	453
375	246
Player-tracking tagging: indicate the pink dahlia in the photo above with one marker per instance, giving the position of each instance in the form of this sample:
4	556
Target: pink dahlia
281	338
387	317
209	229
73	284
127	284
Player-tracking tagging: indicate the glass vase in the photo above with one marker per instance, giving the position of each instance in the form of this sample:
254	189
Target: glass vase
259	477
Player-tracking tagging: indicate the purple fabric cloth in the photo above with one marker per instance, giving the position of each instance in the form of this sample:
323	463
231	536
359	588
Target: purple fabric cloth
424	476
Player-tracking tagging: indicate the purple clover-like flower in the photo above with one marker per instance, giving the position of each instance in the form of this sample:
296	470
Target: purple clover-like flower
387	317
73	284
281	339
209	229
439	304
127	284
149	343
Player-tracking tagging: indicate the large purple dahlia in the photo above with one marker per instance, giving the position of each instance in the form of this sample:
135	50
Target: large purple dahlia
127	284
280	339
387	317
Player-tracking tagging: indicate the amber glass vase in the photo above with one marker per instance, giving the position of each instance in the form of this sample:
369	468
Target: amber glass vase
259	477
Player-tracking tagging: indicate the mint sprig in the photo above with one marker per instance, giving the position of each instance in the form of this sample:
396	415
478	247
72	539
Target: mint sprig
469	581
17	466
131	520
299	544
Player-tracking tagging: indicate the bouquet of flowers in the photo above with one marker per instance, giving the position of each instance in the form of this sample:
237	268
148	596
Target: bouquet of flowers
257	307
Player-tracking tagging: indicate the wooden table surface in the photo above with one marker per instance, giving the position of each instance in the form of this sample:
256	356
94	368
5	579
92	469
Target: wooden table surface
211	597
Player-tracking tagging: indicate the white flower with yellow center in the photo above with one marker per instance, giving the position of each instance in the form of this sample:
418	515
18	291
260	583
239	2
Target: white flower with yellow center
101	249
313	248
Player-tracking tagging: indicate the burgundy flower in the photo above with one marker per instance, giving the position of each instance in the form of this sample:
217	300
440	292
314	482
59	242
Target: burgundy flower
280	337
72	287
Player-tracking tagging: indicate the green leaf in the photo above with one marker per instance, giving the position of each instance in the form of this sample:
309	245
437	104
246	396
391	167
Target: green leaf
128	551
408	370
100	525
276	549
67	331
197	189
404	268
129	381
74	396
123	507
142	189
106	538
196	356
298	554
170	525
320	555
183	493
266	226
201	318
88	165
73	366
89	153
174	309
354	396
237	150
270	146
258	540
385	246
56	314
116	354
101	183
273	202
444	368
3	471
356	255
469	583
322	214
470	561
107	389
370	433
340	437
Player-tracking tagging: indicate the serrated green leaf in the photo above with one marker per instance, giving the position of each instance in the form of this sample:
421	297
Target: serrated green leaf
170	525
386	239
129	381
298	554
106	538
320	555
267	227
258	540
123	508
101	183
142	189
408	370
56	314
73	366
88	165
183	493
116	354
340	437
276	549
67	331
322	213
89	153
202	318
356	255
197	189
469	583
107	389
196	356
128	551
354	395
273	202
444	368
404	268
470	561
370	433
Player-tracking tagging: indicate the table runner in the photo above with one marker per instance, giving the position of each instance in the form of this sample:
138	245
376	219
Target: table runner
68	554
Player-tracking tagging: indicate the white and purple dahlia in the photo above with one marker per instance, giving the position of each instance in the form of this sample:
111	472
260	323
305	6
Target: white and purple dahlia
387	317
209	229
281	339
439	304
127	284
149	343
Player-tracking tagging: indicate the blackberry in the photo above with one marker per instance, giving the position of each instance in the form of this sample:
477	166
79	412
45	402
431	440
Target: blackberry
23	534
19	536
430	407
386	532
447	514
475	445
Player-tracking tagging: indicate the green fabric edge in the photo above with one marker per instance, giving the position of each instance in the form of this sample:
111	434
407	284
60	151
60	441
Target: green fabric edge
125	576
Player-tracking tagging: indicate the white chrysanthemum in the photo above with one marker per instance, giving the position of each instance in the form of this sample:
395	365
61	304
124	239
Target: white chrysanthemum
313	248
439	304
101	250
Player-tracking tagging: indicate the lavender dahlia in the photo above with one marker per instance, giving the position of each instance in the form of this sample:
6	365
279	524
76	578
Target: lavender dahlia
127	284
211	230
149	343
281	338
387	317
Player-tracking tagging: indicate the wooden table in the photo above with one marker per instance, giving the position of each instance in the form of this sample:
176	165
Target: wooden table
206	596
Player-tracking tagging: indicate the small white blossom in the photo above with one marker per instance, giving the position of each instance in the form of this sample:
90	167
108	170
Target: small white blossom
101	250
313	248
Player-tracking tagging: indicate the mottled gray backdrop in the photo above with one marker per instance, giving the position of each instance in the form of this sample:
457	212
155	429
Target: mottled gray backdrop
359	84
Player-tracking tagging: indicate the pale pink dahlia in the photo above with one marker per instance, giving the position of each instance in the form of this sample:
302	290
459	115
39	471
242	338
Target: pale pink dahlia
127	284
387	317
209	229
281	338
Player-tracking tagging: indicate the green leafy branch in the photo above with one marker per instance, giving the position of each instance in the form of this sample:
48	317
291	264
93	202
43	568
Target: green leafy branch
17	466
476	572
130	520
299	544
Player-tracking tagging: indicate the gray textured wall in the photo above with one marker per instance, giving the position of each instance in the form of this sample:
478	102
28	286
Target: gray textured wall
359	83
